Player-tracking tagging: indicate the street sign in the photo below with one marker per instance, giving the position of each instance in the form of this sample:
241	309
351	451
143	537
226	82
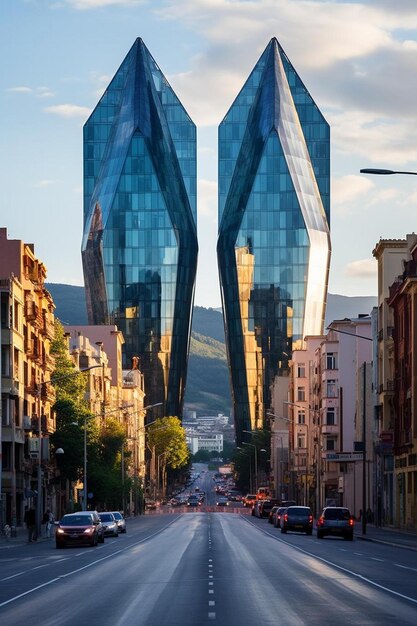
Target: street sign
344	457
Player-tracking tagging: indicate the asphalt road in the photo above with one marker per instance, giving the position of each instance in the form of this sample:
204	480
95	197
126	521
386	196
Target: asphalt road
197	568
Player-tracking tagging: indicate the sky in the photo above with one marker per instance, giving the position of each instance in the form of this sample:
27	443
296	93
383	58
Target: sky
358	59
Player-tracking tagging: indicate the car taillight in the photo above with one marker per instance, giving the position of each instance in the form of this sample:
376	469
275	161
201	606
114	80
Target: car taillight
310	518
320	521
351	522
285	518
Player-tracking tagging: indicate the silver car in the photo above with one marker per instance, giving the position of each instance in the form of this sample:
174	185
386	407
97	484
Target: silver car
109	524
120	521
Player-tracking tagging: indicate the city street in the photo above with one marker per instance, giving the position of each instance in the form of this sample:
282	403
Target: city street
199	568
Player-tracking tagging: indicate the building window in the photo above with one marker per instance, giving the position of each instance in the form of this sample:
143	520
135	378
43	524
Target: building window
330	444
301	394
330	361
301	417
301	441
301	370
331	389
330	416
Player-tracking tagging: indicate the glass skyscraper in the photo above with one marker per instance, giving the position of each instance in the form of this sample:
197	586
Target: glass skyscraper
139	246
274	243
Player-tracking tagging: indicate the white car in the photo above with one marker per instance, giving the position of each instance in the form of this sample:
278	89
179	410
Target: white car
109	524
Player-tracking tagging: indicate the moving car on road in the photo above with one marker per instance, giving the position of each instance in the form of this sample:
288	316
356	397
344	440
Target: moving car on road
79	528
335	520
298	518
120	521
193	500
109	524
222	501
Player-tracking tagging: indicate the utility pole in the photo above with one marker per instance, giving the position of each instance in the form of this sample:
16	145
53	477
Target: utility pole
364	507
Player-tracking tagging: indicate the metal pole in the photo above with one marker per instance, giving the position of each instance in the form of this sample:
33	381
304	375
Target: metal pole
39	476
85	465
256	470
364	452
123	479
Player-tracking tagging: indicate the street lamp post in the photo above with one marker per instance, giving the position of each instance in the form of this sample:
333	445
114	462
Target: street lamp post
250	432
378	171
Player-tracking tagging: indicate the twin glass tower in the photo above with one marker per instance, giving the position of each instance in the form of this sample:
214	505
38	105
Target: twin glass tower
140	241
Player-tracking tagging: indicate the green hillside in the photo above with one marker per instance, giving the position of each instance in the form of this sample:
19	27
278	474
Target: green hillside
207	389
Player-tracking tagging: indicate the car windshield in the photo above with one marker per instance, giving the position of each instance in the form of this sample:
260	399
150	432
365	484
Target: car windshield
337	514
76	520
118	516
106	517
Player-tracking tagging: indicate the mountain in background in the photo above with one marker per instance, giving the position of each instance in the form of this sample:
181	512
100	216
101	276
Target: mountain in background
207	389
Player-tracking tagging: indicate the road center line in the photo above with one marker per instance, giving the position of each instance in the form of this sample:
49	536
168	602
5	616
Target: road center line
13	576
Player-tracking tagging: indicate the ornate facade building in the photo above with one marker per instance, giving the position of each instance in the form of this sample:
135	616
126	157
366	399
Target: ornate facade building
27	420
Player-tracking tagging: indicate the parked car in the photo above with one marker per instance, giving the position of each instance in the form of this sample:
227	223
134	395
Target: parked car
150	505
271	514
266	506
120	521
79	528
298	518
335	520
277	516
109	524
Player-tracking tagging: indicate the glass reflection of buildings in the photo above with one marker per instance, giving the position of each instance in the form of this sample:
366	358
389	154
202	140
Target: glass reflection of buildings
274	243
139	246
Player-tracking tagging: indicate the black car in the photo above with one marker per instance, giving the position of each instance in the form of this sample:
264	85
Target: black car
193	500
298	518
335	520
266	506
79	529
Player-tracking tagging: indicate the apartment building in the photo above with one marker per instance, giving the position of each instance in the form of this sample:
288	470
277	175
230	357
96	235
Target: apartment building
27	420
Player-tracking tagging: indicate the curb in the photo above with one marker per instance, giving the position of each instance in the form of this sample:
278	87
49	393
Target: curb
387	543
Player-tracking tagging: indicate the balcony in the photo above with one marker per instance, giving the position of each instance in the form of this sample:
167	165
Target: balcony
48	362
386	387
31	311
330	429
47	329
48	393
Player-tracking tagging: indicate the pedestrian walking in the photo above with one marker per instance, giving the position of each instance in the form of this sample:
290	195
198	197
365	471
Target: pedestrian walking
30	521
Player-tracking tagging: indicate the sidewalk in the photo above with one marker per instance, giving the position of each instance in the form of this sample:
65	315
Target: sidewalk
388	536
20	539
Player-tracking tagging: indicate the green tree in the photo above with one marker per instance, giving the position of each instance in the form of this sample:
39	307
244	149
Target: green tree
69	383
166	435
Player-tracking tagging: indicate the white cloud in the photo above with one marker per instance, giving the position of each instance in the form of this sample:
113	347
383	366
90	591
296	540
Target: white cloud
385	195
44	92
98	4
69	110
41	184
364	268
19	89
350	188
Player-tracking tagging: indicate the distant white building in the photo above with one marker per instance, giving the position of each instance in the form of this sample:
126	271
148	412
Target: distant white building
204	441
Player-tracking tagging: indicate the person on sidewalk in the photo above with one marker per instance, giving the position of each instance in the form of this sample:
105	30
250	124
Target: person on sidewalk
49	523
30	521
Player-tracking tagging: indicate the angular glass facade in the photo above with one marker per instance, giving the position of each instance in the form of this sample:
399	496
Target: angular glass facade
139	246
274	243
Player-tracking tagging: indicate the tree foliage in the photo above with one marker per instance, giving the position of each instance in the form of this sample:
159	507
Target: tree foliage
166	435
69	383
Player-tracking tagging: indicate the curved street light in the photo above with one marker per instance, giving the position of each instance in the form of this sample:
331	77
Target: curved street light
382	172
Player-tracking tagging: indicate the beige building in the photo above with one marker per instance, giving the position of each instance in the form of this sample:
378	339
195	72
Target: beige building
27	329
390	255
113	392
